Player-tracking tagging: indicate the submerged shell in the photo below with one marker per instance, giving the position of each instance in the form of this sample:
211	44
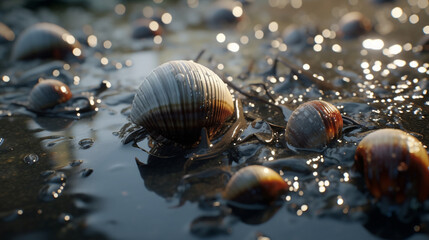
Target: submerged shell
395	165
313	125
46	40
178	99
48	93
354	24
255	185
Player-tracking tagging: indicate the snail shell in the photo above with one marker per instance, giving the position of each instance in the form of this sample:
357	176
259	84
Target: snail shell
178	99
224	16
46	40
394	164
255	185
48	93
313	125
296	36
354	24
146	28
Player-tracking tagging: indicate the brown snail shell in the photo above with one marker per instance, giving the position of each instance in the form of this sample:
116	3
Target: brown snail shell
48	93
394	164
180	98
354	24
313	125
255	185
46	40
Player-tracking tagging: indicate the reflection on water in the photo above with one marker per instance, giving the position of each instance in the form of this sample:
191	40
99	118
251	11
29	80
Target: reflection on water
33	180
64	178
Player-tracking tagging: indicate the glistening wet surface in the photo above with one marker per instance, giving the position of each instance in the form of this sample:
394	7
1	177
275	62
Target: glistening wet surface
66	174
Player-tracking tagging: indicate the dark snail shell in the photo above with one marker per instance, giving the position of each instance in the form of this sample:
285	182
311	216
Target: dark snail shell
46	40
313	125
255	185
222	17
299	36
48	93
143	29
354	24
395	165
178	99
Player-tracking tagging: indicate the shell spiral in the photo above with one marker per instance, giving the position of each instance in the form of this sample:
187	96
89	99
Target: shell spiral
179	98
313	125
394	164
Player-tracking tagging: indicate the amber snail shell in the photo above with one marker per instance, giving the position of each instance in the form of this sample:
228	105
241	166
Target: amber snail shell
395	165
255	185
46	40
48	93
313	125
180	98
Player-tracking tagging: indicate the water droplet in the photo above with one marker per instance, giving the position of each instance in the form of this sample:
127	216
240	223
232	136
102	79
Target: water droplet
51	191
31	158
76	163
86	143
1	141
86	172
65	217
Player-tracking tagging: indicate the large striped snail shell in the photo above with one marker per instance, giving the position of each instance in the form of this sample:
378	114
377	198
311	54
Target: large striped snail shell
46	40
48	93
313	125
178	99
394	164
255	185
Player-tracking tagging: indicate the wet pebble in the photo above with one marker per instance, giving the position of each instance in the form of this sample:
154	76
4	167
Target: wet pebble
86	172
86	143
31	159
76	163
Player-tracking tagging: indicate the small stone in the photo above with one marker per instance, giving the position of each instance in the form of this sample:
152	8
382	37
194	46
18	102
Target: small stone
31	159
